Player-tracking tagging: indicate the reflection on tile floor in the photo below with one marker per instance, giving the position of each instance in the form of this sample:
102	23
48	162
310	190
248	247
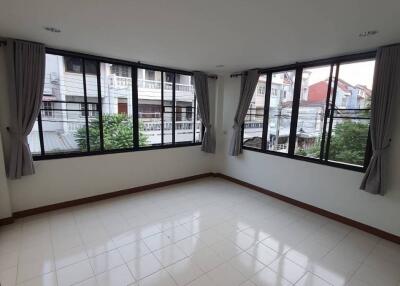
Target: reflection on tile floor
203	233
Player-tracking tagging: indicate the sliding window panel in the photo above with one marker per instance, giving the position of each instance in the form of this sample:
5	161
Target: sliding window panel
63	123
150	107
34	139
117	111
280	111
312	107
92	105
168	107
184	108
351	113
254	120
198	125
198	136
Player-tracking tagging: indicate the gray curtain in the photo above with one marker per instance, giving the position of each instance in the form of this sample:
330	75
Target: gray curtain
26	66
247	88
201	87
384	93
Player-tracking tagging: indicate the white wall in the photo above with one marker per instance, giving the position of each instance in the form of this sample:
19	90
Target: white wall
329	188
68	179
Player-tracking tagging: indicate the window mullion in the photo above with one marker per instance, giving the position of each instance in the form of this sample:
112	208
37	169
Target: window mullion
295	110
173	109
267	97
135	109
326	115
332	111
41	141
86	105
194	118
100	106
162	108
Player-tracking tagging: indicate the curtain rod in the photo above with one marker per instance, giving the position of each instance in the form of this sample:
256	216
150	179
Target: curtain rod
238	74
4	43
321	61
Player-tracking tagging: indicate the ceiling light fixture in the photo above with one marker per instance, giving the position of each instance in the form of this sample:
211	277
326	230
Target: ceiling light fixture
52	29
368	33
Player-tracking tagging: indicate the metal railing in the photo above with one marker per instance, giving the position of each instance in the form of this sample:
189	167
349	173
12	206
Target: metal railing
119	81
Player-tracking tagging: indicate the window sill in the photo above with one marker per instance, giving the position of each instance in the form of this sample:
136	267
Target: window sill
310	160
96	153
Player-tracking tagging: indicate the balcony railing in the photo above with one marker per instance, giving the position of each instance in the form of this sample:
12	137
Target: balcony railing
155	125
122	82
277	147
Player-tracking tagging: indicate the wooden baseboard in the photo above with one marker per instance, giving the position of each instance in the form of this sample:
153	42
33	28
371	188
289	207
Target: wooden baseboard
364	227
96	198
6	220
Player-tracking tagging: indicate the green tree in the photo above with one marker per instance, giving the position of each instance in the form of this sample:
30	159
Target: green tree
117	133
348	142
312	151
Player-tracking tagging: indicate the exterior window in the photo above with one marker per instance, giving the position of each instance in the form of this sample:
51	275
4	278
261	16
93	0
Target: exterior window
318	113
150	108
94	107
280	111
150	75
254	120
73	64
350	113
312	106
120	70
117	108
47	108
185	102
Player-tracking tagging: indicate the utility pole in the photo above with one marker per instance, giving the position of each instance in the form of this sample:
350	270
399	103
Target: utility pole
278	121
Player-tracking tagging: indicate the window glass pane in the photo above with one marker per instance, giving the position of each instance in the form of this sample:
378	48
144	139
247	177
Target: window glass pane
116	95
280	111
310	122
168	82
34	140
149	97
253	123
92	108
351	113
64	127
199	125
184	108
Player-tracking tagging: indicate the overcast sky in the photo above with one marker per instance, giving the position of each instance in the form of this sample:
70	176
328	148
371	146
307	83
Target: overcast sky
359	73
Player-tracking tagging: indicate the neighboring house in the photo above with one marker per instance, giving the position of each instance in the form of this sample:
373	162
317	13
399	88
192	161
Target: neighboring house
348	96
311	109
64	106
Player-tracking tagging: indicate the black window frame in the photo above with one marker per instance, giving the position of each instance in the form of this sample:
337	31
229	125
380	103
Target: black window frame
135	104
299	67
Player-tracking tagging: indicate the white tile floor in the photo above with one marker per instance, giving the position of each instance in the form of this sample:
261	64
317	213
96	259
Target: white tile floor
203	233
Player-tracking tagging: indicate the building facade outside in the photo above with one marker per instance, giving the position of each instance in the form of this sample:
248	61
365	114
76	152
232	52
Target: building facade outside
64	107
312	107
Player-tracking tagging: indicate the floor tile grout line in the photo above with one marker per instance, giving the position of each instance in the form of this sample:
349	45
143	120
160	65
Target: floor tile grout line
53	252
221	218
363	262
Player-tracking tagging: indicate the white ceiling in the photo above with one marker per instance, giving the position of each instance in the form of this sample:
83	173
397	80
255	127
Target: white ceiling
200	34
